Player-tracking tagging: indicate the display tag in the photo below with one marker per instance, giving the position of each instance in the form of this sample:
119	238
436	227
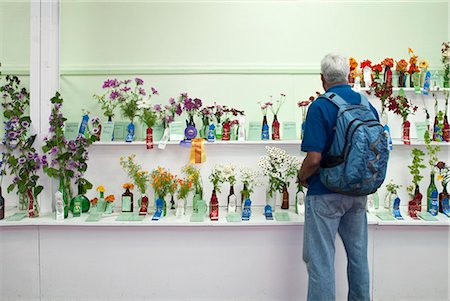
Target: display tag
268	212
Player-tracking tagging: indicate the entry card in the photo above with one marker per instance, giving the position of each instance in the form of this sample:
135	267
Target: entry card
177	130
282	216
94	217
107	132
254	131
233	217
71	130
120	130
130	217
16	217
426	216
289	130
385	216
158	132
421	129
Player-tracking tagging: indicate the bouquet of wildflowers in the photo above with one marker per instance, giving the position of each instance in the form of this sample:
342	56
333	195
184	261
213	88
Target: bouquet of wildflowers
279	167
443	174
147	112
217	176
166	115
400	105
304	104
275	108
163	182
68	159
185	186
250	180
190	106
20	156
229	174
109	99
193	174
140	177
218	111
264	107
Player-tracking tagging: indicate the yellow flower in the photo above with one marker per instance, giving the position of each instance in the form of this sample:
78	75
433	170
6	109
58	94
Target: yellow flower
423	64
440	177
128	186
101	188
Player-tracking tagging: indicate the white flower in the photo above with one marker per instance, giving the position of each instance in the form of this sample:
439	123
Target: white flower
143	104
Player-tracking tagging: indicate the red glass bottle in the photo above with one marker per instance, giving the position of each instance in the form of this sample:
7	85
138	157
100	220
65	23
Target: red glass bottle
226	131
415	205
275	128
406	126
446	130
214	207
149	138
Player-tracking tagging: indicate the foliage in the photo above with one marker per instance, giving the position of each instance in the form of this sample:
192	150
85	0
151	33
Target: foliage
400	105
431	151
135	173
217	176
392	188
185	188
163	182
416	165
193	174
20	157
250	180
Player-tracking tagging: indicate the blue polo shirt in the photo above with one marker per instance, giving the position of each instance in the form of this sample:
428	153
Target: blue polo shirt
318	132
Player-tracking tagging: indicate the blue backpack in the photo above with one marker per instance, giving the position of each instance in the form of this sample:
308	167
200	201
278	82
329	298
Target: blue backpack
357	160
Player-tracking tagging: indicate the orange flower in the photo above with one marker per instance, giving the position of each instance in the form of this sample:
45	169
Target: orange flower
353	63
128	186
388	62
377	68
413	60
94	201
410	51
402	66
110	198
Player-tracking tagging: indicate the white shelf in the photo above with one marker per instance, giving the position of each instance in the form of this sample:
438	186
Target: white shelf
396	142
257	219
396	89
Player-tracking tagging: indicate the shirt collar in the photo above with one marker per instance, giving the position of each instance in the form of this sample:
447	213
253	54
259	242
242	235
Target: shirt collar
338	87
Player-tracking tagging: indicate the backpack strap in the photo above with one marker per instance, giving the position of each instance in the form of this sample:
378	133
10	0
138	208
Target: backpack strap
340	102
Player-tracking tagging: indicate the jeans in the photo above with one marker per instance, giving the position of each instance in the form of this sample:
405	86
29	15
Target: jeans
325	215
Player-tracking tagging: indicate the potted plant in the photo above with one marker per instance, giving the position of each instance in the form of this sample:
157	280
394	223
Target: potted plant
140	179
147	115
391	195
265	124
184	188
388	63
109	99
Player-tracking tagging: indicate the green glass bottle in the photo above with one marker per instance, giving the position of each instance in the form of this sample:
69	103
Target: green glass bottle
65	197
432	195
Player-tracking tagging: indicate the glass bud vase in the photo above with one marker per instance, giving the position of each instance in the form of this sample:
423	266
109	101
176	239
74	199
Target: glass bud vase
149	138
33	206
214	207
275	128
265	129
406	125
144	205
23	202
272	198
402	79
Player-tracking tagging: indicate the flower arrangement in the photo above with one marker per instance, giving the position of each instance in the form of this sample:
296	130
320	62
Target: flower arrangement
412	62
68	159
445	59
392	188
415	167
353	63
185	186
193	174
401	66
108	100
130	99
400	105
217	176
20	157
229	173
250	180
279	167
166	115
189	105
377	69
264	107
366	63
147	113
140	177
206	115
388	62
275	108
383	92
304	104
444	173
162	181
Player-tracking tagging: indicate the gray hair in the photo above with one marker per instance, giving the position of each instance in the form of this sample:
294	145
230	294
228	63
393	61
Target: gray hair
335	68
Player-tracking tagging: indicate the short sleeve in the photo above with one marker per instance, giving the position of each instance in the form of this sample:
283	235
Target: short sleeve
315	134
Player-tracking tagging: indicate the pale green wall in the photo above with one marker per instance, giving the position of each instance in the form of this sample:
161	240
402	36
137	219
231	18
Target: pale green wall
279	43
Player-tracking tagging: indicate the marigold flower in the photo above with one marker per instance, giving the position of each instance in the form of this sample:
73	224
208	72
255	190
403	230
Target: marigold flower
101	188
402	66
353	63
110	198
94	201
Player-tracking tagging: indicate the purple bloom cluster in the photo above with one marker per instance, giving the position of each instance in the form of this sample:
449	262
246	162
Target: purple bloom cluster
111	83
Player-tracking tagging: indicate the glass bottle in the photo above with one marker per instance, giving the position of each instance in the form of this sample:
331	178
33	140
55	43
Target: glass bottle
442	196
285	202
244	196
265	129
2	205
214	207
300	200
446	130
275	128
432	197
232	200
127	201
65	197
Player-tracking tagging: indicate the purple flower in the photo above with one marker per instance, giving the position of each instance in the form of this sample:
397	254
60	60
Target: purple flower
15	119
154	91
54	150
188	104
178	111
52	129
126	89
169	118
44	160
72	145
54	163
22	160
197	103
12	134
4	95
16	179
184	95
127	81
58	106
157	108
95	130
114	95
139	81
167	107
172	101
110	83
25	124
142	91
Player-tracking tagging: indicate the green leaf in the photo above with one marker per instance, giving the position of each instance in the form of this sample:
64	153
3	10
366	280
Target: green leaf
37	190
10	188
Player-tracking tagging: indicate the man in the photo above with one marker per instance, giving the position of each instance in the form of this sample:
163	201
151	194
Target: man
326	212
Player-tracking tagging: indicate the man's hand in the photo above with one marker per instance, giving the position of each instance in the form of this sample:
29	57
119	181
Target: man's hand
309	167
304	183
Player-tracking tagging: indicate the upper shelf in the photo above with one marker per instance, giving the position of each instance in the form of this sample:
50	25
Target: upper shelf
410	89
396	142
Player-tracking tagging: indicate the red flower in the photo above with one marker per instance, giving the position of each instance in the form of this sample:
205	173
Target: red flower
388	62
377	68
366	63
